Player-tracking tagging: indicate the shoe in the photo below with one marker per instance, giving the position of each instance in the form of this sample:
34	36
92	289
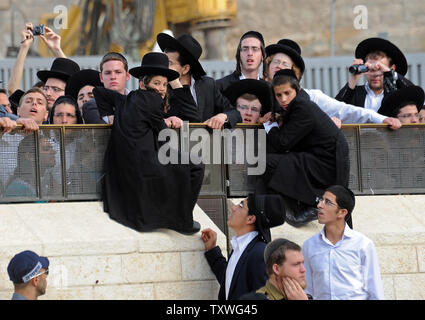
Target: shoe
297	213
195	228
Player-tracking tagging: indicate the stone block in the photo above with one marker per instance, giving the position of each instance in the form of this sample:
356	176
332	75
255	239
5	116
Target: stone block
187	290
15	234
409	286
421	258
5	283
195	266
151	267
75	293
80	228
397	259
88	270
166	240
388	286
125	292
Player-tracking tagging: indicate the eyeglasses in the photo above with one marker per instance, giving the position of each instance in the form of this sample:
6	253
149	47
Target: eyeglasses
284	64
327	202
41	273
54	89
61	115
410	115
254	49
245	108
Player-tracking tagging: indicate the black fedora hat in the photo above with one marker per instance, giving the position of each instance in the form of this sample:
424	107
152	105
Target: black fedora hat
401	97
259	88
269	211
378	44
14	99
62	68
290	48
154	63
80	79
187	46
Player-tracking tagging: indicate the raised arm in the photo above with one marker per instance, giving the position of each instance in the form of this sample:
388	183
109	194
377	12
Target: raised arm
27	40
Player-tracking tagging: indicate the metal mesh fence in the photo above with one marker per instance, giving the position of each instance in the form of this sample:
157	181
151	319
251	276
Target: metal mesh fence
62	163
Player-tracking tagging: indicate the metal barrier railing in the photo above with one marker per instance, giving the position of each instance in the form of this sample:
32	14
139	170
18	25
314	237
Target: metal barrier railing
64	163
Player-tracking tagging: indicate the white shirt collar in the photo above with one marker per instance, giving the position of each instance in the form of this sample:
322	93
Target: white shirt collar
348	233
242	76
370	92
240	243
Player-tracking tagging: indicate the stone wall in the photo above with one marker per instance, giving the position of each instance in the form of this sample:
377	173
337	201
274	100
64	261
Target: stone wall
93	257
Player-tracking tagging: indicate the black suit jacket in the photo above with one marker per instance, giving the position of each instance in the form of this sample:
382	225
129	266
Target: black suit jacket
211	102
226	81
357	96
250	272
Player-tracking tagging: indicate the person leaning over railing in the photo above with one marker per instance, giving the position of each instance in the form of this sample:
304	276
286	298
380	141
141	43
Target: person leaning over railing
286	54
422	115
404	104
138	190
306	152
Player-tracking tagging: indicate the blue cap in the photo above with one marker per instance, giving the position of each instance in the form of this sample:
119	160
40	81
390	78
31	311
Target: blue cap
26	265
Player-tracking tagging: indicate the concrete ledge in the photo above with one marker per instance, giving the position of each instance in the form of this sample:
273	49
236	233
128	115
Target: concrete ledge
396	225
93	257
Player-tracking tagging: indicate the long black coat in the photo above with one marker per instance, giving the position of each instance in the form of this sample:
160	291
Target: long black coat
138	191
306	154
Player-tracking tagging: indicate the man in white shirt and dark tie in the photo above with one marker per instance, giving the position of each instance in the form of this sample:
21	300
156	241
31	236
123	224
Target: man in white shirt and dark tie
341	264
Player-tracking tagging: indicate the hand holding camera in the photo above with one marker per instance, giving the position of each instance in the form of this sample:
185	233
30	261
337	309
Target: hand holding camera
356	70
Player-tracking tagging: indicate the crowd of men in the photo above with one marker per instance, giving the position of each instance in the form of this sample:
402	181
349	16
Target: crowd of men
307	156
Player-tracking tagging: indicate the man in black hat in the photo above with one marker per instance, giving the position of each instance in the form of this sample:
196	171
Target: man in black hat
385	67
154	74
250	54
81	84
183	54
28	272
251	220
404	104
55	79
252	98
286	54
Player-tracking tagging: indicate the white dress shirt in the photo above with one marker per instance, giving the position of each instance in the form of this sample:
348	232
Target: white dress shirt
348	270
242	76
239	245
192	89
372	101
347	113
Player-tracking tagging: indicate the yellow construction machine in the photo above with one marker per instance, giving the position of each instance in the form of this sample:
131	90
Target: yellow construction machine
98	26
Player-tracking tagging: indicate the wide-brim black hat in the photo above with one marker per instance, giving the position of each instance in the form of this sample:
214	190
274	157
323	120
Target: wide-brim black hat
62	68
259	88
154	63
188	47
269	210
290	48
396	99
378	44
80	79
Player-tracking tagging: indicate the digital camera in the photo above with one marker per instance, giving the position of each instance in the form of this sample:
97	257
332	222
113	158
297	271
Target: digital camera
38	30
358	68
